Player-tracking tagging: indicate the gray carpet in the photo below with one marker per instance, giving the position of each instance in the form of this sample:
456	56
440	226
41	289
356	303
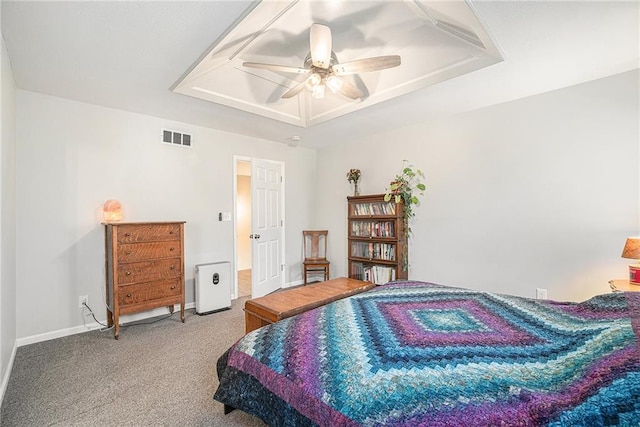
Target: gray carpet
160	374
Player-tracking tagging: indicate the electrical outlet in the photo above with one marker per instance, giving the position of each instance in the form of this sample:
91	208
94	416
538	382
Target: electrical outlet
82	300
541	293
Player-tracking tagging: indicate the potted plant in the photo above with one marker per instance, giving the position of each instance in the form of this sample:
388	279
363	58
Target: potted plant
406	187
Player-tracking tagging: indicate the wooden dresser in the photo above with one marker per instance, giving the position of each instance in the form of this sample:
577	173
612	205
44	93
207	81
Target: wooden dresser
144	268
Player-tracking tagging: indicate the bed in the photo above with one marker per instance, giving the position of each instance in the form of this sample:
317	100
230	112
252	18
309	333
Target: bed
420	354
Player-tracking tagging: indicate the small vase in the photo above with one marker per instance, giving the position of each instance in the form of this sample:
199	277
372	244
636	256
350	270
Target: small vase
356	189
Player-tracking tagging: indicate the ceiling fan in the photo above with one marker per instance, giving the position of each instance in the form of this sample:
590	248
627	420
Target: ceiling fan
323	69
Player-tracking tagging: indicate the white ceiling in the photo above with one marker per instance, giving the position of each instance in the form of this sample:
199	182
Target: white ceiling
436	41
128	55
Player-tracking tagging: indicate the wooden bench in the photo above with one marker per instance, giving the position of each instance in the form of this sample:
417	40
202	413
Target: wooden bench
280	305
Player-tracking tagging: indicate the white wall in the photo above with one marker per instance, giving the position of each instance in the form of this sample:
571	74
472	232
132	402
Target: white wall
539	192
72	157
7	219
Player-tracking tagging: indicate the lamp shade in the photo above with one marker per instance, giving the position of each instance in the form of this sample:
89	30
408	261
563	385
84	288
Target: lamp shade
632	251
632	248
112	211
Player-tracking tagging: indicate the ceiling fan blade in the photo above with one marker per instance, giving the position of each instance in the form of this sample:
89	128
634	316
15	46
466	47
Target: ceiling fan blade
350	91
366	65
277	68
294	91
320	45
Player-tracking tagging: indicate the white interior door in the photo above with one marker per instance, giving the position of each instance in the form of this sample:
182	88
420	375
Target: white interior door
266	227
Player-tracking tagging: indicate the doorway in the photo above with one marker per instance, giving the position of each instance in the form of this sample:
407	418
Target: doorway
243	227
258	226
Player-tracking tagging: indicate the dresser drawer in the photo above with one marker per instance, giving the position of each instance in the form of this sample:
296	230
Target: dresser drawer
140	293
132	252
149	270
148	233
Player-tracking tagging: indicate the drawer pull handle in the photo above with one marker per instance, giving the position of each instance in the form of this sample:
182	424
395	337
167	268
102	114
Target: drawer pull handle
173	287
127	252
127	234
173	267
128	273
171	232
128	295
172	249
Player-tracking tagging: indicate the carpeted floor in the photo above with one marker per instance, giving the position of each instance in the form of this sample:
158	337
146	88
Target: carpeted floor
160	374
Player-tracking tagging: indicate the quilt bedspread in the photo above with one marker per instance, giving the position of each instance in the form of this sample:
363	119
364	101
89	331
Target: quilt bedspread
419	354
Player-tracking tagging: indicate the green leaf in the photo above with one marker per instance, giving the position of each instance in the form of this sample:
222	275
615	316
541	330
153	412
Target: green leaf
421	186
387	197
398	198
414	200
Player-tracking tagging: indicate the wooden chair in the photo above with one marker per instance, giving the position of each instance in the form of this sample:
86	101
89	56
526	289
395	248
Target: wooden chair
315	253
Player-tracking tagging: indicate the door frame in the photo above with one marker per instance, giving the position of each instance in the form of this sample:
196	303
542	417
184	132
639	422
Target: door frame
283	269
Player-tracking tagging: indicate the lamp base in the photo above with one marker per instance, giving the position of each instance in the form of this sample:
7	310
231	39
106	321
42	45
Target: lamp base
634	274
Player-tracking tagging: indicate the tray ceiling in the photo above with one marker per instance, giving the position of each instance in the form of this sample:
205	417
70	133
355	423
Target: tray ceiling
436	40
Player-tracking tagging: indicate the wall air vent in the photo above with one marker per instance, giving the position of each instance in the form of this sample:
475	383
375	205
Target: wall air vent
176	138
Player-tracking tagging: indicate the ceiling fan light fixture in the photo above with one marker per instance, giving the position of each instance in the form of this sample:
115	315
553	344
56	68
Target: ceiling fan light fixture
322	67
313	81
318	92
334	83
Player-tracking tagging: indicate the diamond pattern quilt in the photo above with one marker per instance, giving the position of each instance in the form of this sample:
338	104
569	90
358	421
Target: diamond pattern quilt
420	354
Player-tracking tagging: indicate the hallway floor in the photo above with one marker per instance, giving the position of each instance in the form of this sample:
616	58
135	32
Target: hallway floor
244	283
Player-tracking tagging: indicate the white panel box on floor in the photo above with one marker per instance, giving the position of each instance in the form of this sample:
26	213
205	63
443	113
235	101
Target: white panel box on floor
213	287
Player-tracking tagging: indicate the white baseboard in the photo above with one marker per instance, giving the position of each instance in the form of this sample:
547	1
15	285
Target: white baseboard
7	373
46	336
294	283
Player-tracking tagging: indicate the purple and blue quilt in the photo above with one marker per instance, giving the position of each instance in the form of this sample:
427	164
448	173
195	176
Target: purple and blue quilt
419	354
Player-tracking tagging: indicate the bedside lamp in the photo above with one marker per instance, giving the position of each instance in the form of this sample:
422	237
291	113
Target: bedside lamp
632	251
112	211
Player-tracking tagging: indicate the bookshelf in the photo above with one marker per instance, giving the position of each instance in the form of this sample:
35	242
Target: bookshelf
377	244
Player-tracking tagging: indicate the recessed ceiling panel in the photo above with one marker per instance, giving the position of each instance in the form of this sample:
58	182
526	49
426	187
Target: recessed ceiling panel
435	40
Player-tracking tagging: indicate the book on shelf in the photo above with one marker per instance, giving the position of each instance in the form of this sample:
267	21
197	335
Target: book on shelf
371	250
377	274
374	208
373	229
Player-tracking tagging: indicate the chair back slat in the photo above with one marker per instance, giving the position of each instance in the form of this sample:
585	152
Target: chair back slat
315	245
